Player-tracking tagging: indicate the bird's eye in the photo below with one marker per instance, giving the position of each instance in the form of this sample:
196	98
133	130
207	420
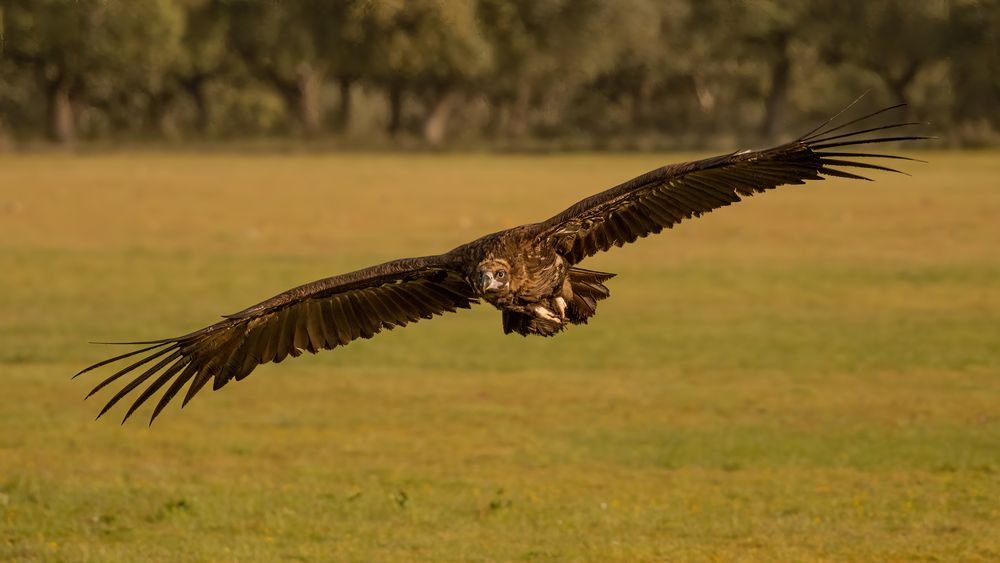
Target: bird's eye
501	274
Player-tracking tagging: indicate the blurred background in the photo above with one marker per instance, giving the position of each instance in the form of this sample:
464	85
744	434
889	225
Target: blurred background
506	74
809	375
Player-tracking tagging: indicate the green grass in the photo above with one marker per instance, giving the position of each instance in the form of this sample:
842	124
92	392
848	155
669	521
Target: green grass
813	374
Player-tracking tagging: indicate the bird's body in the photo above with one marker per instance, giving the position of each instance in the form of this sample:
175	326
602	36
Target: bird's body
530	273
535	292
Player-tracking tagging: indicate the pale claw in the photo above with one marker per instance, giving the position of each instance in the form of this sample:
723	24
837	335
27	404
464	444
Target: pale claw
543	313
561	305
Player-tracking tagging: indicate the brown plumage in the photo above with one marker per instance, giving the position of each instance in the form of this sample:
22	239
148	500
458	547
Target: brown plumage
529	272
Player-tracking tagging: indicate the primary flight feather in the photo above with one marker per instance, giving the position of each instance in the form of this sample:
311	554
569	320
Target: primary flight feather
529	272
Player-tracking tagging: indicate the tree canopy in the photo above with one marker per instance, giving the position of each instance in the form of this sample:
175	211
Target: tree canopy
505	73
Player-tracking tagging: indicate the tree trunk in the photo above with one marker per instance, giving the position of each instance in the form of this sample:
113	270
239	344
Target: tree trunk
518	122
5	141
436	125
310	110
777	99
301	95
395	109
898	84
62	122
196	89
641	101
163	117
344	105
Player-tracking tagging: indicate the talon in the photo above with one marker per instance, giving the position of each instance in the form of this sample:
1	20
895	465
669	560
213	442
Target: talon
561	305
543	313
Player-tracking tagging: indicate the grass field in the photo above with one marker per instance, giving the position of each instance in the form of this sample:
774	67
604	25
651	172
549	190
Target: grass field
813	374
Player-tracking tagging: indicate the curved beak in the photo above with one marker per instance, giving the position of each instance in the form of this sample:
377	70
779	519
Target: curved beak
485	281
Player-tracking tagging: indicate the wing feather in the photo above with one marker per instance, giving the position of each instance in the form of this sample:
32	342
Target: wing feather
412	310
300	339
155	386
666	196
327	323
252	348
350	322
199	381
283	335
387	316
268	343
366	323
114	377
341	322
321	315
175	387
138	381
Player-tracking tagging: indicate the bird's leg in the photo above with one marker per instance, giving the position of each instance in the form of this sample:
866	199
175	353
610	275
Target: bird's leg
561	307
563	298
543	313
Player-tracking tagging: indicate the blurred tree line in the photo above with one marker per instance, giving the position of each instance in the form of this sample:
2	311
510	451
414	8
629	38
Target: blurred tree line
506	73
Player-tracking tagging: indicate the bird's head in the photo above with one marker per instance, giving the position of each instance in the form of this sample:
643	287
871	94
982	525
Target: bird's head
494	275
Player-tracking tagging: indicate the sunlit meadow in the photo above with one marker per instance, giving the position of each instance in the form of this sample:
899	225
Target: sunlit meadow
813	374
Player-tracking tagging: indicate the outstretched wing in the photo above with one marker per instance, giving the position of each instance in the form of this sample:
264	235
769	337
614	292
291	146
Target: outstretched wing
663	197
320	315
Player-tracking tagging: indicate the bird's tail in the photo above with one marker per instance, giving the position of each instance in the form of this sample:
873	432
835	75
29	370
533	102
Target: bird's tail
588	288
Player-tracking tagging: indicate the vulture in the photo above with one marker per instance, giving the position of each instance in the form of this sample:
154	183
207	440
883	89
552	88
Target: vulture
531	273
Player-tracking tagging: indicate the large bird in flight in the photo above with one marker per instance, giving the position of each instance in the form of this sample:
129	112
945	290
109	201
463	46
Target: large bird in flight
529	272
